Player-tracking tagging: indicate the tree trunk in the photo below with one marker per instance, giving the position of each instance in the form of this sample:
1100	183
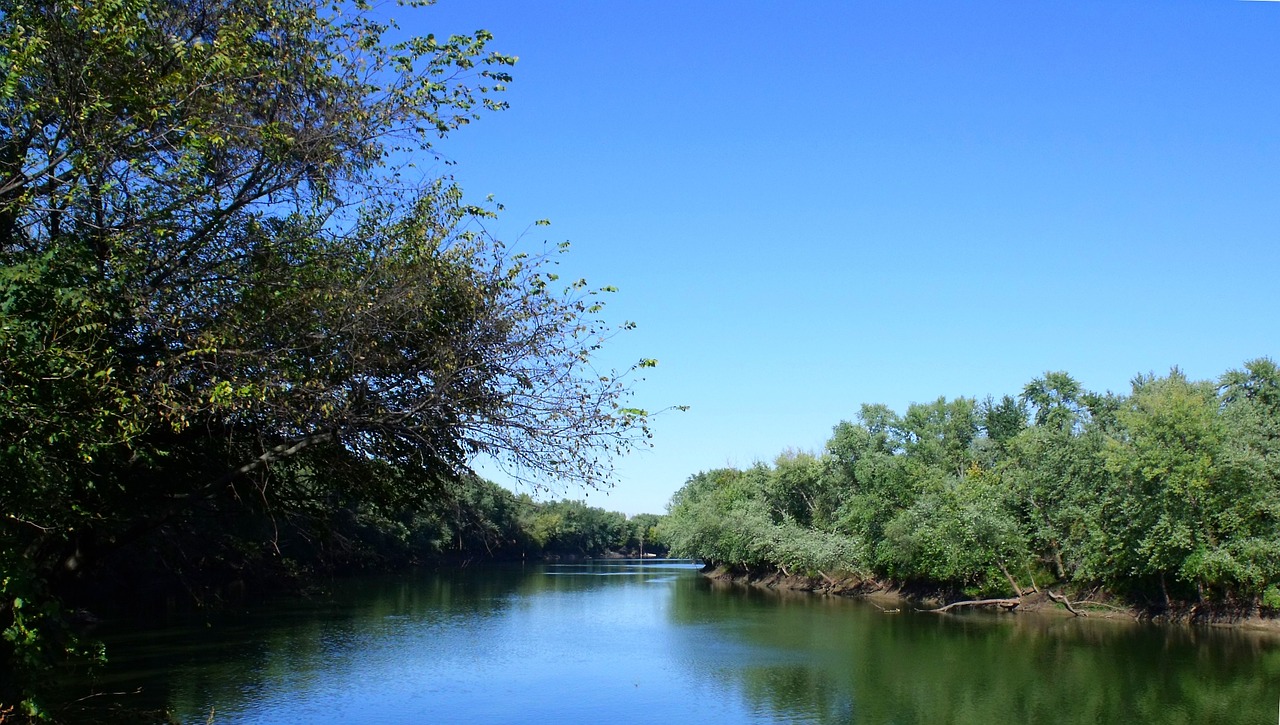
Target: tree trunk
1012	582
1032	577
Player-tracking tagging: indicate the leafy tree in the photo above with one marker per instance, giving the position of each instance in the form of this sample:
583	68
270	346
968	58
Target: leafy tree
875	480
799	491
1055	480
963	534
219	275
1056	399
645	535
1258	383
1172	491
940	433
1168	458
1004	420
721	517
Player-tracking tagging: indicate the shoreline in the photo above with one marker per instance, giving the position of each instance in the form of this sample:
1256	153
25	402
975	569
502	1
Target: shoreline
891	598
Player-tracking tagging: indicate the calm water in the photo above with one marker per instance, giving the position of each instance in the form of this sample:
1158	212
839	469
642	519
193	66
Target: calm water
654	642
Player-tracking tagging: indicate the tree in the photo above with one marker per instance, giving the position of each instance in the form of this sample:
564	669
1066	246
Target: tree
871	475
217	259
1170	458
644	536
963	534
940	433
1004	420
1057	480
798	491
1056	398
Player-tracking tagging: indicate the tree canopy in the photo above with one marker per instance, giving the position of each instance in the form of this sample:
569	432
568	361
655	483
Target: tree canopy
225	284
1169	493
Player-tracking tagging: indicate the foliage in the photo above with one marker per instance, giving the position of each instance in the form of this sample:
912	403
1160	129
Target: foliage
235	323
1169	492
724	517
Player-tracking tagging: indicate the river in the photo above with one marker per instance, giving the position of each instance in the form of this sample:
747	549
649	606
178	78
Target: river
654	642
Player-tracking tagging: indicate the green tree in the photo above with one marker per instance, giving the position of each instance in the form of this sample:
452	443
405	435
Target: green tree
940	433
720	517
964	534
645	535
869	464
1170	492
1170	461
1250	558
218	274
1004	420
1056	399
799	491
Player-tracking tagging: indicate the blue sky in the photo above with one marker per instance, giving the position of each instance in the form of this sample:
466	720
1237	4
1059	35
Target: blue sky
809	206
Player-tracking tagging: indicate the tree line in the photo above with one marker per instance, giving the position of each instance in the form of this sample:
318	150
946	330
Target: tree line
1167	494
295	545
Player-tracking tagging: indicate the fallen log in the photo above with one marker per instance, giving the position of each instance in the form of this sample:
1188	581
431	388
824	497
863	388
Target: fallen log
1008	604
1104	605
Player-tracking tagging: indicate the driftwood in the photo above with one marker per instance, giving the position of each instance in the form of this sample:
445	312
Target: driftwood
1123	610
1104	605
1008	604
1060	599
1012	603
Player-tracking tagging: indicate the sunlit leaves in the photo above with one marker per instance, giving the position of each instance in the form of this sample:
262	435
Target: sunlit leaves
220	264
1172	490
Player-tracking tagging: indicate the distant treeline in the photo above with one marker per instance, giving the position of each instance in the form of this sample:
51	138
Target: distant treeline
259	549
1170	493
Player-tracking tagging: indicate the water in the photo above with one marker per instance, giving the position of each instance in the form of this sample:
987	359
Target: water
654	642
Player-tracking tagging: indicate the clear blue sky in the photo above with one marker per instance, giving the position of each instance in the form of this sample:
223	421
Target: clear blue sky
808	206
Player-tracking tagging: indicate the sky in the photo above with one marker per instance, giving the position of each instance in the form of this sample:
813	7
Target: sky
808	206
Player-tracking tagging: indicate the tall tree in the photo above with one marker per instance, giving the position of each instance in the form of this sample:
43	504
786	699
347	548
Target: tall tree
214	258
1056	399
1004	420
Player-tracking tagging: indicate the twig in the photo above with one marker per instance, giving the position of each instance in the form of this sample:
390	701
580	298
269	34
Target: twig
45	529
101	694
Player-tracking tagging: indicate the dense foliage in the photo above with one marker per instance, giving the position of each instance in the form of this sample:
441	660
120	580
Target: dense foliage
1171	492
231	309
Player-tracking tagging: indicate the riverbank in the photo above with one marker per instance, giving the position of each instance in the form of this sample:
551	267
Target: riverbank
892	597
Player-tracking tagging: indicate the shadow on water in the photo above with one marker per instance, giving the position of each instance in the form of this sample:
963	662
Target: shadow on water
234	660
182	660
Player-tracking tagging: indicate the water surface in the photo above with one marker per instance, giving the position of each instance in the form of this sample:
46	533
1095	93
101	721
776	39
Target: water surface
653	642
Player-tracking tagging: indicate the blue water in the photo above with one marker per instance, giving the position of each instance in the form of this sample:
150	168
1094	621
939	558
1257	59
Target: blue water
632	641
